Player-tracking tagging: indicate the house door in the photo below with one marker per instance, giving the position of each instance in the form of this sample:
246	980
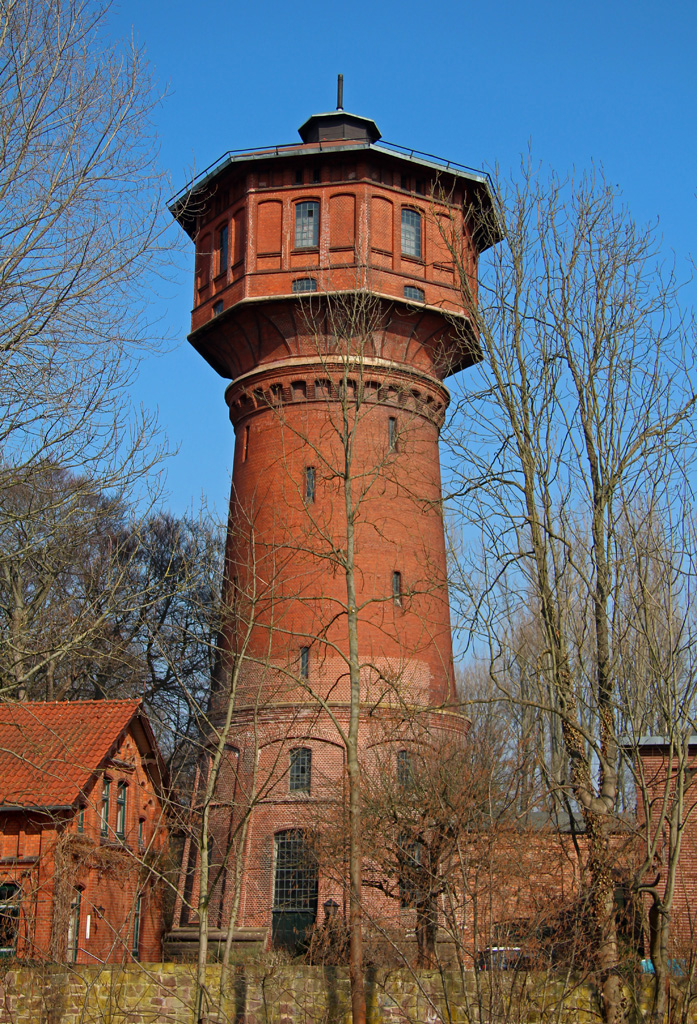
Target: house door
295	891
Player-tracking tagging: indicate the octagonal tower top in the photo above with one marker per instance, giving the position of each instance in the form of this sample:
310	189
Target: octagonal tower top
339	211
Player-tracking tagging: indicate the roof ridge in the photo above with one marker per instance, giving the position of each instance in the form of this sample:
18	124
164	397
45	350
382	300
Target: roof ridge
71	703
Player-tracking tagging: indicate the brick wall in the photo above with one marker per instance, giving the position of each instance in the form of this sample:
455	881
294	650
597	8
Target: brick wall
361	197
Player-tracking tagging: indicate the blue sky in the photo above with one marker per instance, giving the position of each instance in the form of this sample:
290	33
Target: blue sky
613	82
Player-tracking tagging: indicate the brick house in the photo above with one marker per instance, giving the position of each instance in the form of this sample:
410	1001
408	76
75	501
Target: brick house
667	807
82	832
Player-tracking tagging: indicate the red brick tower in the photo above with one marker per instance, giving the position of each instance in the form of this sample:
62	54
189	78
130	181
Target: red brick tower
326	292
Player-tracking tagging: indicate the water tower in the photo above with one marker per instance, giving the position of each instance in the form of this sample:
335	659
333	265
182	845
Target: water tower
327	293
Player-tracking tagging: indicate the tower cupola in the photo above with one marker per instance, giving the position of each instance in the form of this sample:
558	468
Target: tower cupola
339	126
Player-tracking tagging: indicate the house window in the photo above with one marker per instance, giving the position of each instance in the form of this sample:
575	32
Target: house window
9	918
410	856
81	819
414	293
397	588
294	890
74	926
135	945
304	284
411	233
309	484
104	817
299	776
405	773
306	225
316	175
392	433
121	810
222	249
218	307
141	833
304	662
299	176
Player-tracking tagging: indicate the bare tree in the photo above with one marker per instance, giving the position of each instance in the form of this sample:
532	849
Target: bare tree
578	428
80	215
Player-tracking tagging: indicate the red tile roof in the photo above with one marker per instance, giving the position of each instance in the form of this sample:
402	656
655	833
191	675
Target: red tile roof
49	751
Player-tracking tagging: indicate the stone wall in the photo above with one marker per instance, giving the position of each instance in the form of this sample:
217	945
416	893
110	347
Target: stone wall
270	993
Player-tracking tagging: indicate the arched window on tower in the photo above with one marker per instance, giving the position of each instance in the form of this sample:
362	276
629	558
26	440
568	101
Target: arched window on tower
307	225
294	891
411	233
405	769
300	770
222	249
411	858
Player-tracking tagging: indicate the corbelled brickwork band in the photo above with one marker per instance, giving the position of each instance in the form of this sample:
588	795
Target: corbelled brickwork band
276	386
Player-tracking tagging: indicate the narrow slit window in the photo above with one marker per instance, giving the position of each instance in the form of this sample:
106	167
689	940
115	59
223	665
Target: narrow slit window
300	772
411	860
304	662
106	793
222	249
141	833
309	484
74	927
306	225
121	810
137	912
405	773
392	433
245	444
397	587
81	819
411	233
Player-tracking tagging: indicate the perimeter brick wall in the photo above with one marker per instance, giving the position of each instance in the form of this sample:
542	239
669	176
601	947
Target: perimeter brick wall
268	994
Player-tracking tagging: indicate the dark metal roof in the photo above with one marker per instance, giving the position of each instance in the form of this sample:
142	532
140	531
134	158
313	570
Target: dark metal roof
338	124
653	741
186	203
242	156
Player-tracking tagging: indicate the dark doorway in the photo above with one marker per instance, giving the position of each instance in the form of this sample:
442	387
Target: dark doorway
295	891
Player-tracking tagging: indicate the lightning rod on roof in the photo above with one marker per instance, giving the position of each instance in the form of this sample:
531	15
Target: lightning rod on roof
340	93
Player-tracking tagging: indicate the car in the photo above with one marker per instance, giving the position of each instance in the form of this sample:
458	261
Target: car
502	958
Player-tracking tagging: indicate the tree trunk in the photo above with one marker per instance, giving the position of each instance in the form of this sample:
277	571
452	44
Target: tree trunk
358	1007
602	908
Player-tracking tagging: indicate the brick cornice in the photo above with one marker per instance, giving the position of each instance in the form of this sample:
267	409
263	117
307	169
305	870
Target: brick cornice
320	378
